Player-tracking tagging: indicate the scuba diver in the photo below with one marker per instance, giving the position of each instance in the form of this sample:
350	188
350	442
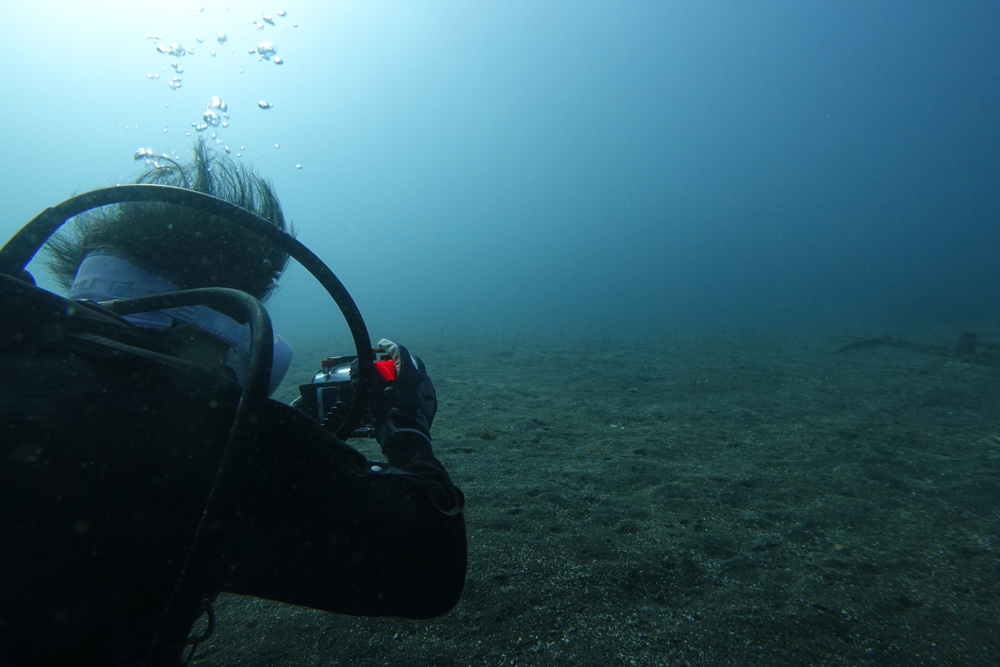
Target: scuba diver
145	469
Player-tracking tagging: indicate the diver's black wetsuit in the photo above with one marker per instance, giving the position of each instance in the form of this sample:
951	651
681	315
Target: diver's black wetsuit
107	455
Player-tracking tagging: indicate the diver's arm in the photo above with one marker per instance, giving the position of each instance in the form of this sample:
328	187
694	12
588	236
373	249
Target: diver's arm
319	526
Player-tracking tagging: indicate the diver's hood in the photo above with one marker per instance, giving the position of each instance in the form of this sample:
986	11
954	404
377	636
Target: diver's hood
105	276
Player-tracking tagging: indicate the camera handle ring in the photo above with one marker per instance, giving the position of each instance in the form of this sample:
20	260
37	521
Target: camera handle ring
23	246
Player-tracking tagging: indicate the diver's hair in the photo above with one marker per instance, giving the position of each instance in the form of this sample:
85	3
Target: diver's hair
186	246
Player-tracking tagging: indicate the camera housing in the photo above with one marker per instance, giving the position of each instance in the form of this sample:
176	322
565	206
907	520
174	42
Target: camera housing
330	394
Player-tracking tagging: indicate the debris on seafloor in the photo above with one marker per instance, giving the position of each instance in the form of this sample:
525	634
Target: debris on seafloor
969	348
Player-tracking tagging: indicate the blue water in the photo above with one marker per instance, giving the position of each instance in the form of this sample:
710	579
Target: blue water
829	166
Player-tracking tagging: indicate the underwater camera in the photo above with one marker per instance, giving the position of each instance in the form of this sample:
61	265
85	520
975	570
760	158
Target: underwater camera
332	390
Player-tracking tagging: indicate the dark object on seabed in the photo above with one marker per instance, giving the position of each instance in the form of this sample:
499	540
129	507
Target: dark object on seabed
969	348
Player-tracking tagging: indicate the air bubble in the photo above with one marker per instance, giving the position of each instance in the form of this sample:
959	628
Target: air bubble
200	40
264	105
266	50
217	103
221	39
268	19
298	166
282	12
212	53
175	83
151	75
277	146
278	60
142	153
150	35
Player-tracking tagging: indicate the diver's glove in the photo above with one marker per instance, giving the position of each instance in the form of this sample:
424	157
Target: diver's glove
406	405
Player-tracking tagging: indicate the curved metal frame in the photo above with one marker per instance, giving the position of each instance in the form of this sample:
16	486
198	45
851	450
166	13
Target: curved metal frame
23	246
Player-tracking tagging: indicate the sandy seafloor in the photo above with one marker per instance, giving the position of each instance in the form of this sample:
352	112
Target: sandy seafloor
720	499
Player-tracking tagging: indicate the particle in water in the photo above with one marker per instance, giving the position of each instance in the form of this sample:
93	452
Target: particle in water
268	19
266	50
278	60
150	35
221	39
264	105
